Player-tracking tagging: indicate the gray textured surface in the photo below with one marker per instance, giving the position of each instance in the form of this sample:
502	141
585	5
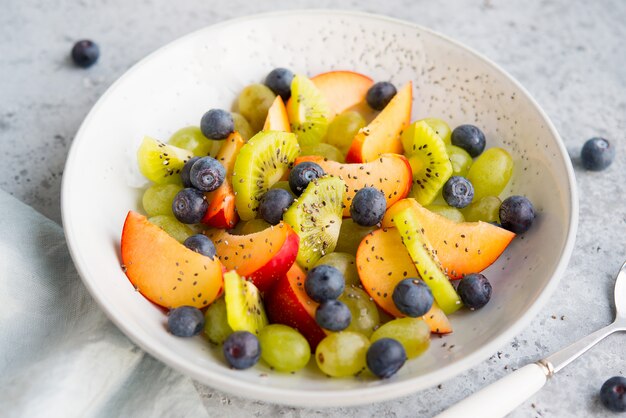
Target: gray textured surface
569	54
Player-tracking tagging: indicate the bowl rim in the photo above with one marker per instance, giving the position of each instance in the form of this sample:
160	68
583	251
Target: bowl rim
299	397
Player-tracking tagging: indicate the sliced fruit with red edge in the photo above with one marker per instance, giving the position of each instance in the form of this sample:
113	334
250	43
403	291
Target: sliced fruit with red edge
342	89
263	257
390	173
462	247
277	119
383	261
221	212
287	303
382	135
165	271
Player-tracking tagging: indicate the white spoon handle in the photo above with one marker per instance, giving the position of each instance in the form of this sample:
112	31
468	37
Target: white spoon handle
502	396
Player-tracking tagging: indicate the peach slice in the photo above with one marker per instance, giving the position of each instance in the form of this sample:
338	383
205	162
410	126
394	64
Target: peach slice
343	89
263	257
165	271
383	261
382	135
277	119
287	303
462	247
221	212
391	173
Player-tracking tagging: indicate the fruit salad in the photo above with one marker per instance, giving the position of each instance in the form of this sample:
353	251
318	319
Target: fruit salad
319	220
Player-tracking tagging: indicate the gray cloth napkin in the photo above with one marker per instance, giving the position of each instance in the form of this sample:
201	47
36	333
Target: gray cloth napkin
59	355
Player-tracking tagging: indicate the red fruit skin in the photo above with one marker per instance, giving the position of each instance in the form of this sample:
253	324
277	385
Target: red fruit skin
222	212
277	266
161	268
222	215
287	303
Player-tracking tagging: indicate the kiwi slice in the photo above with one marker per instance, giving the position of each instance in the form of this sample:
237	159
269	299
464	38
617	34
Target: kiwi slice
244	307
425	259
429	161
161	163
316	217
261	162
308	111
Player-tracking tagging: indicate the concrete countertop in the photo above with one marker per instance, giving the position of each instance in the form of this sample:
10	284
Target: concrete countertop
569	54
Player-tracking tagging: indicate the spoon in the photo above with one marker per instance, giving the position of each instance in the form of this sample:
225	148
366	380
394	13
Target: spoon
504	395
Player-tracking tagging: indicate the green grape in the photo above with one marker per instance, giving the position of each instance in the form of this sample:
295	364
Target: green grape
449	212
345	263
350	236
364	311
284	348
242	126
441	127
252	226
175	229
490	173
342	354
459	158
325	150
192	139
254	102
343	129
283	184
487	209
158	198
216	326
412	333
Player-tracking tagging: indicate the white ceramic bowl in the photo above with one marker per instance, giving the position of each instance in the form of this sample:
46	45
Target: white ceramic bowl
174	86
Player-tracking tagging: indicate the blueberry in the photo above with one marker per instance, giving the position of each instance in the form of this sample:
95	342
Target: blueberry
201	244
184	173
597	154
302	174
85	53
217	124
474	290
412	297
273	204
324	283
279	81
242	350
613	394
368	206
517	214
189	206
458	192
470	138
333	315
185	321
207	174
385	357
380	94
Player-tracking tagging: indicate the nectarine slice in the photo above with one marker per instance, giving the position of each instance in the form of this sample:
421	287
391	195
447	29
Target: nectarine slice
263	257
462	248
382	135
221	212
165	271
390	173
277	119
343	89
287	303
383	261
